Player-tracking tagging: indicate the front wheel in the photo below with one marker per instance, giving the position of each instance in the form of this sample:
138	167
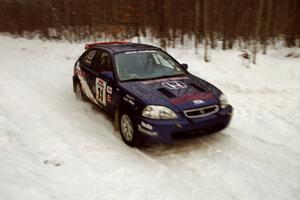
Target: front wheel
129	132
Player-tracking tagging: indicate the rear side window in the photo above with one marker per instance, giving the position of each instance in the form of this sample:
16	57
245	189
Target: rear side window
88	58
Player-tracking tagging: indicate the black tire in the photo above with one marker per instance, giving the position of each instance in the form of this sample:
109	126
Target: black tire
78	92
129	131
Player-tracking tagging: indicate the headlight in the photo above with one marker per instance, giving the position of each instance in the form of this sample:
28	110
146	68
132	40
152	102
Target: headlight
158	112
223	101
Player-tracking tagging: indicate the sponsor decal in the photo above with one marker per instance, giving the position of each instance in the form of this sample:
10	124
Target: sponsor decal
129	99
145	51
164	79
108	98
192	97
146	125
100	82
198	101
147	132
85	87
109	90
174	85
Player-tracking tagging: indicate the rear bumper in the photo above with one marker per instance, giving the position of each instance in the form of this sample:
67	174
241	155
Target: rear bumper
167	131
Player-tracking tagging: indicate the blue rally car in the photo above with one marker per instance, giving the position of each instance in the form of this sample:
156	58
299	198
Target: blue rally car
151	96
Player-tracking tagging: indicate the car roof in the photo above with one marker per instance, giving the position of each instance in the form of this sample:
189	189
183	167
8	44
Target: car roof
118	47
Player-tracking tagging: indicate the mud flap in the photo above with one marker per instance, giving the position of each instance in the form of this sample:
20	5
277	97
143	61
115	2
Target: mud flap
116	120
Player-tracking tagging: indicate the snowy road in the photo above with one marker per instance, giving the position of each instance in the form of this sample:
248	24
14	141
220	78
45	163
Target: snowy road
54	147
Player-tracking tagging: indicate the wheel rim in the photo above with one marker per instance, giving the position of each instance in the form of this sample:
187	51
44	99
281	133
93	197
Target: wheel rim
78	92
126	128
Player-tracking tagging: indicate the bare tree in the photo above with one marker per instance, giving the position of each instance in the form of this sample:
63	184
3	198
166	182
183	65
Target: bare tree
206	37
197	11
257	29
248	22
267	26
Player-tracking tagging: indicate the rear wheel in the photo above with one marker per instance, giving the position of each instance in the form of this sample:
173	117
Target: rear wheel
128	130
78	92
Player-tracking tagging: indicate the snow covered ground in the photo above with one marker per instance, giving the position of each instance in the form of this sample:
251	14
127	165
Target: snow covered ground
54	147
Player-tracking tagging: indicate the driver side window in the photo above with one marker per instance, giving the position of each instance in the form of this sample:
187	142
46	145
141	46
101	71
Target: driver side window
104	63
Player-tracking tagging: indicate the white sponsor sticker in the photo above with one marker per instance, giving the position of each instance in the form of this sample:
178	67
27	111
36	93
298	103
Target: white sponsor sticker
129	99
145	51
198	101
109	90
146	125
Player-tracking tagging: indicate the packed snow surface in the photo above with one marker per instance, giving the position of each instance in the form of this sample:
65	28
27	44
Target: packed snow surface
55	147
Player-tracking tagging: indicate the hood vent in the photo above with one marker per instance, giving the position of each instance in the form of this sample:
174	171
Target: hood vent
166	92
199	88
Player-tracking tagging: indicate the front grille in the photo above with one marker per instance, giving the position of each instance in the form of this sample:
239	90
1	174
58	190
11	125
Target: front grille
201	112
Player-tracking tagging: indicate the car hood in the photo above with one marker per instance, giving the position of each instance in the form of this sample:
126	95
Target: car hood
177	93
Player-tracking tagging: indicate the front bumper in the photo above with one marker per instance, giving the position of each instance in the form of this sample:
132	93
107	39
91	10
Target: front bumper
166	131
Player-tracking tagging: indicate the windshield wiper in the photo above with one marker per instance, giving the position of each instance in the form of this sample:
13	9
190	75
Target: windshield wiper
136	79
153	78
168	76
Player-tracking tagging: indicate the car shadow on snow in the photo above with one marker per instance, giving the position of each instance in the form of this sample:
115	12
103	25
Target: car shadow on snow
199	142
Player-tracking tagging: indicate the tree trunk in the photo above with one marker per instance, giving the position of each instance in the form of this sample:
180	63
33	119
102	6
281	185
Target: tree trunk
267	30
197	11
205	32
257	29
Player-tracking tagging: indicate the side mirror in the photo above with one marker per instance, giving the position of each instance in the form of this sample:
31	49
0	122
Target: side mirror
185	66
108	75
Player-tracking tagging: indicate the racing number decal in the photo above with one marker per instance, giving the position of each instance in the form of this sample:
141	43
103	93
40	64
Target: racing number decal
101	91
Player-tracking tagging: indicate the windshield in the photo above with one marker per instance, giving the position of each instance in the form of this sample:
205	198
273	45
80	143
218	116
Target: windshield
141	65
